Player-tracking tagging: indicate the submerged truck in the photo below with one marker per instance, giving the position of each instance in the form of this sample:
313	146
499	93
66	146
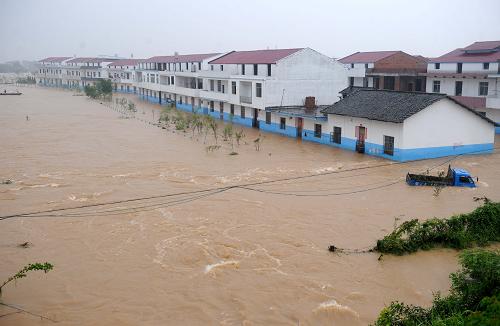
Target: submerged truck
454	177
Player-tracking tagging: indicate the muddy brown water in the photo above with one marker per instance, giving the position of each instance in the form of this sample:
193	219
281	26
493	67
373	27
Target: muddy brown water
238	257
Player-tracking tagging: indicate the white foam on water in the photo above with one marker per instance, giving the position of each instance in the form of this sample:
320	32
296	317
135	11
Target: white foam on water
333	306
222	263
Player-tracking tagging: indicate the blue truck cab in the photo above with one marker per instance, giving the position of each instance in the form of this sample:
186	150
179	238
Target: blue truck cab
454	178
462	178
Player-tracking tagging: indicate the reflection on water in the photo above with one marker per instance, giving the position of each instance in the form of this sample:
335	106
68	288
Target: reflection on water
237	257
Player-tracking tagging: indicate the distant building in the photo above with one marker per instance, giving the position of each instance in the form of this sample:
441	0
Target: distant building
471	75
122	74
51	71
391	70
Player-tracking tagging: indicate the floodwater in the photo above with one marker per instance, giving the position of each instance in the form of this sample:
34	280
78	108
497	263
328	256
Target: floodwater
255	256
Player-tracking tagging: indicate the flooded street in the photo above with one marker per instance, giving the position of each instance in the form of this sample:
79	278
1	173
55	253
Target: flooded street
241	256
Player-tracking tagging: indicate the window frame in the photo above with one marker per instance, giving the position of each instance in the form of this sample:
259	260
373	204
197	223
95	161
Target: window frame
317	130
283	123
389	150
436	84
258	89
481	87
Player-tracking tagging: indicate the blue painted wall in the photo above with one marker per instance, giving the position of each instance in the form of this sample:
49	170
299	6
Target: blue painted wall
275	128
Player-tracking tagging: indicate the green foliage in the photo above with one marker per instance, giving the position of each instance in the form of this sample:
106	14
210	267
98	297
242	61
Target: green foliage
239	135
102	89
45	267
460	231
227	133
474	297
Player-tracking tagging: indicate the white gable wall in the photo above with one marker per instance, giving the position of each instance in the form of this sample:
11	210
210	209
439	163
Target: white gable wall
445	123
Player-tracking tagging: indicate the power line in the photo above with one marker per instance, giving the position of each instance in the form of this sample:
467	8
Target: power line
216	190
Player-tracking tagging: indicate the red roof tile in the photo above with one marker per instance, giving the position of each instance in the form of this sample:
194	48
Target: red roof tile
54	59
125	62
367	57
486	45
181	58
90	60
471	102
255	57
460	55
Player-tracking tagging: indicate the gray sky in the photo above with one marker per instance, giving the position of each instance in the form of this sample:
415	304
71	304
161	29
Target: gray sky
34	29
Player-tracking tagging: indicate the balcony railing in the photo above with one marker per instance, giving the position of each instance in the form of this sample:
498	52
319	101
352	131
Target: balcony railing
246	99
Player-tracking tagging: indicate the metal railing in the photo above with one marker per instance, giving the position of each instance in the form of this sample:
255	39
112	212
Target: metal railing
246	99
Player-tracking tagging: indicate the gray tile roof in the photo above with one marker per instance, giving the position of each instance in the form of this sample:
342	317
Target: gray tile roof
388	106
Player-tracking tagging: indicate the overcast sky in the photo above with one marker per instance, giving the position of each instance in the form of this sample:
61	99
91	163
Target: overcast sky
34	29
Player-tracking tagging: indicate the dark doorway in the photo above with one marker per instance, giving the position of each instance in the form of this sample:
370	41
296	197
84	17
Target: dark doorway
360	139
255	121
299	125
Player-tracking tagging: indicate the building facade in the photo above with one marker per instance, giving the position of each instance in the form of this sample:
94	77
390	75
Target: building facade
391	70
471	75
122	74
50	73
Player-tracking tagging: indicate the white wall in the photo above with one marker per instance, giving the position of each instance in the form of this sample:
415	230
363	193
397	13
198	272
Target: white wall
375	129
445	123
470	87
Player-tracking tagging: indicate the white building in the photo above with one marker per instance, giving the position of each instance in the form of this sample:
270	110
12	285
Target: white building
51	71
471	75
239	85
83	71
176	79
122	74
404	126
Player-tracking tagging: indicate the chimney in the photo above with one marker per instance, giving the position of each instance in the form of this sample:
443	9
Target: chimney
310	103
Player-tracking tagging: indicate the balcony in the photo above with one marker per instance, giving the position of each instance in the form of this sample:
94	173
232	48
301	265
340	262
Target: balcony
215	96
493	102
246	99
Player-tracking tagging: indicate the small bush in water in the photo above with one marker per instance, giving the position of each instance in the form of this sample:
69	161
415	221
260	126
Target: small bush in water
460	231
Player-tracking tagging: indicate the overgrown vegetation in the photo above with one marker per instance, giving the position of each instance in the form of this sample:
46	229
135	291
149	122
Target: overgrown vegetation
460	231
102	89
474	297
45	267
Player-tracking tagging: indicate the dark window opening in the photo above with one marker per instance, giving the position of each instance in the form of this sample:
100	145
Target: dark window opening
232	109
211	106
389	145
268	118
255	70
351	81
242	114
486	65
336	135
437	66
458	88
483	88
258	90
389	82
436	86
317	130
233	87
242	69
268	70
459	68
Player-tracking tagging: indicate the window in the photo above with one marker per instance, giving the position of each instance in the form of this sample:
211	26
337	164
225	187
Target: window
337	135
211	67
389	82
268	118
388	145
437	66
366	66
219	85
269	70
187	66
458	88
211	106
365	81
436	86
242	69
255	70
242	112
283	123
352	65
199	65
317	130
351	81
212	85
232	109
233	87
486	65
258	89
172	80
459	68
483	88
221	68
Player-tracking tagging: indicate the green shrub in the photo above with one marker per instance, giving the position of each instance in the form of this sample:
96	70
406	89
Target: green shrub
460	231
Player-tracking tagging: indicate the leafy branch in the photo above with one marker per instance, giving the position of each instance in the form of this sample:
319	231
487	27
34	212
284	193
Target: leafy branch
45	267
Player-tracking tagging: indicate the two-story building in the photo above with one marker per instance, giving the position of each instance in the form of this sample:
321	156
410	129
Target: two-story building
81	71
51	71
176	79
471	75
122	74
390	70
240	85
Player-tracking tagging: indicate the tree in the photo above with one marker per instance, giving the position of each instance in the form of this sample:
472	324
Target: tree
45	267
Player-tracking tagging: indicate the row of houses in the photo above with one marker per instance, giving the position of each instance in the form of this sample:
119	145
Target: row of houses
388	103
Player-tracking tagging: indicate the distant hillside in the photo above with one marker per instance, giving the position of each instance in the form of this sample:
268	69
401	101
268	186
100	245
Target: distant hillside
19	66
